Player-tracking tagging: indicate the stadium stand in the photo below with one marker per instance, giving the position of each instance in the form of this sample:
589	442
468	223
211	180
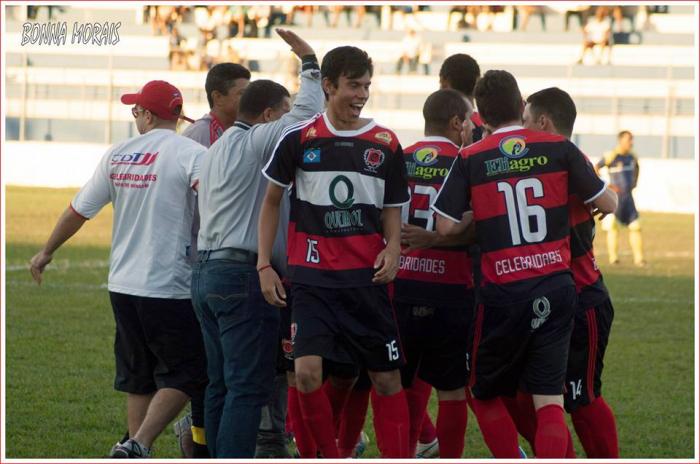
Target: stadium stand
648	89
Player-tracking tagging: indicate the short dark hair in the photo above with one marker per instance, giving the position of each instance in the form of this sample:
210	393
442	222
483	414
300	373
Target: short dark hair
347	61
260	95
221	77
623	133
498	98
440	107
556	104
461	72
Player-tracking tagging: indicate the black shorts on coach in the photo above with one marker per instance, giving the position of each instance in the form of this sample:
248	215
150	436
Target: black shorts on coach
522	345
586	351
347	326
435	342
158	344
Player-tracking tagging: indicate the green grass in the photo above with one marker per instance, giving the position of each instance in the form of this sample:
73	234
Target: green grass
60	365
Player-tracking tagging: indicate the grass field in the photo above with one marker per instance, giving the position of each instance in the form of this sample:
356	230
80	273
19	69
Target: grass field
59	359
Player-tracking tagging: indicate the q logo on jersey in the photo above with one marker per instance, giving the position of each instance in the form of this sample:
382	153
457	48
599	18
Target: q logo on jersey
426	156
513	147
347	192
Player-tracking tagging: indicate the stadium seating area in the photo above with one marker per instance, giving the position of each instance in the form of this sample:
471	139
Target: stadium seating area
70	93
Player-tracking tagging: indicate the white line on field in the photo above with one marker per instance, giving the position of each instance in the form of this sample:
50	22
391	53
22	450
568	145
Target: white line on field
62	265
44	284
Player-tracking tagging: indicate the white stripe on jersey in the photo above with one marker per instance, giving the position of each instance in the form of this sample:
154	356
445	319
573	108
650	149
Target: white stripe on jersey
316	188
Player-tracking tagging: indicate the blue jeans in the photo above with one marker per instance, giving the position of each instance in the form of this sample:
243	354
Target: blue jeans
240	332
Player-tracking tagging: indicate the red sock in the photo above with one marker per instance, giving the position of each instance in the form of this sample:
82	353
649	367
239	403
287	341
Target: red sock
391	424
351	422
317	413
337	397
417	397
526	420
302	435
570	453
497	427
595	427
451	428
552	434
427	431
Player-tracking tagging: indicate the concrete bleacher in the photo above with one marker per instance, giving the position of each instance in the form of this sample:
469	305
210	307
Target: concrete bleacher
648	86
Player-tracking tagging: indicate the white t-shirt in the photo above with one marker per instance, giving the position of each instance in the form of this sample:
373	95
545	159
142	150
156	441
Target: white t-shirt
149	180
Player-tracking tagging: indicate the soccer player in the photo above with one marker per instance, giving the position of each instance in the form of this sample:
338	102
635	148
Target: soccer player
552	110
159	352
517	183
460	72
348	182
240	329
433	290
623	168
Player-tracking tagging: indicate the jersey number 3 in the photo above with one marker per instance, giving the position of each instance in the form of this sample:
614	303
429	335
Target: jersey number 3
520	213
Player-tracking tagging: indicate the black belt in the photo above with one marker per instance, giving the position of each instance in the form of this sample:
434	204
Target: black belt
232	254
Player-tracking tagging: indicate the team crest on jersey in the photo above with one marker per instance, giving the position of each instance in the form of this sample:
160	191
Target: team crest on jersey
135	159
513	147
373	159
311	133
384	137
426	156
312	155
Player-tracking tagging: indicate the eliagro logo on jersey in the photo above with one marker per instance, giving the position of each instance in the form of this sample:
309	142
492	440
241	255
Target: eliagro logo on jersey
422	165
135	159
514	149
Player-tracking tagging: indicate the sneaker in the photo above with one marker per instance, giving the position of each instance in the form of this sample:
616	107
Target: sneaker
523	454
361	445
183	432
130	449
428	450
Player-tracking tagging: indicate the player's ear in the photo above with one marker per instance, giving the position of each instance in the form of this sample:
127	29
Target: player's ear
327	85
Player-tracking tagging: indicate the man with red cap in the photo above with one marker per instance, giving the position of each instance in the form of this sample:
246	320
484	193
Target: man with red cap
148	178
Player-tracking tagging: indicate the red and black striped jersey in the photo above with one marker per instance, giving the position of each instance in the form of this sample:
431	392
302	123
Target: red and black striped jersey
437	276
340	182
518	182
478	127
587	277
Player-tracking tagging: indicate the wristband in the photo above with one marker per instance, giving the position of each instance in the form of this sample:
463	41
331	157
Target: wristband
262	268
309	62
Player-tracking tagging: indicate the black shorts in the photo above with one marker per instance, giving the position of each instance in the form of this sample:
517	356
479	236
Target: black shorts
522	346
435	342
586	351
158	344
285	360
349	326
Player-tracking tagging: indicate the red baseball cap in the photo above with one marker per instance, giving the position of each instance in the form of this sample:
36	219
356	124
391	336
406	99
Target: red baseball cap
159	97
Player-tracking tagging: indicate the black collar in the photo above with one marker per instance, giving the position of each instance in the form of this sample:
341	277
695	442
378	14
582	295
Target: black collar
242	125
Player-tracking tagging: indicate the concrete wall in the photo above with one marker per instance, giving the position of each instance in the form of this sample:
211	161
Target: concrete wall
664	185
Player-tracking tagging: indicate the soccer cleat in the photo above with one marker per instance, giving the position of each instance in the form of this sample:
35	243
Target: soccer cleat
523	454
183	432
130	449
361	445
428	450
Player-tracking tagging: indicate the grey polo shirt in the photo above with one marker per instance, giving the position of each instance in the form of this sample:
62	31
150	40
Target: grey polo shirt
231	185
199	130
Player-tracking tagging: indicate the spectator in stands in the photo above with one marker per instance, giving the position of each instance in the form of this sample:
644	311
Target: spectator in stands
410	51
581	12
525	11
622	12
598	34
623	169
